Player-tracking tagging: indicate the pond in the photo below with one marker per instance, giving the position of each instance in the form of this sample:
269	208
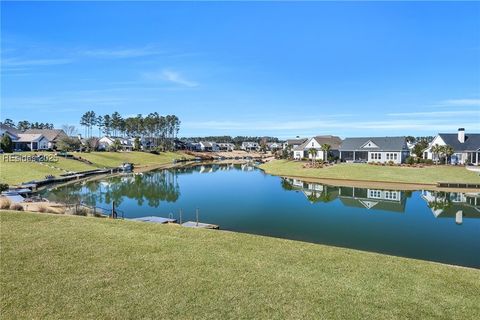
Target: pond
428	225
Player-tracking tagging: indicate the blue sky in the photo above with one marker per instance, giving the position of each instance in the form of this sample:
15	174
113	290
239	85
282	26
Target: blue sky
281	69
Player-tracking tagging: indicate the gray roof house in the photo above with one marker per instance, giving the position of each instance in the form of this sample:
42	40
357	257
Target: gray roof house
466	147
374	149
52	135
302	151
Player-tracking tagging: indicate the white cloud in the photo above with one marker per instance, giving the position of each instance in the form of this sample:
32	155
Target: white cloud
123	52
15	62
460	103
170	76
436	113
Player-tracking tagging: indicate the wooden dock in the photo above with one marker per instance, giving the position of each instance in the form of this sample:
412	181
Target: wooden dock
155	219
458	185
200	225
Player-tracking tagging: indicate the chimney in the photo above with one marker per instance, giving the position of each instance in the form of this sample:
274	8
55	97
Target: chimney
461	135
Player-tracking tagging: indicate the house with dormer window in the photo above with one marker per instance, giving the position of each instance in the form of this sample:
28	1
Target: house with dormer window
374	149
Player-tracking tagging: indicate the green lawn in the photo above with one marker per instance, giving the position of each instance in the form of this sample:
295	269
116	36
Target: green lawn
426	175
17	172
114	159
68	267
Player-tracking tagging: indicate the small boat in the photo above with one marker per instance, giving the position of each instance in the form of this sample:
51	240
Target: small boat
126	167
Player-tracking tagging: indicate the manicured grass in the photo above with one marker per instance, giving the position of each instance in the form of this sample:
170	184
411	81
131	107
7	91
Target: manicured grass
17	172
68	267
426	175
114	159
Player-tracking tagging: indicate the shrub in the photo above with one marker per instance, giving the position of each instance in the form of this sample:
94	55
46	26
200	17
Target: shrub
5	203
3	187
428	161
410	160
16	206
42	208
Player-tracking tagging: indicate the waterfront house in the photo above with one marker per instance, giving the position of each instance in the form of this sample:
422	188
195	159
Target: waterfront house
374	149
192	146
250	146
225	146
274	146
466	147
209	146
292	143
303	150
126	144
52	136
26	141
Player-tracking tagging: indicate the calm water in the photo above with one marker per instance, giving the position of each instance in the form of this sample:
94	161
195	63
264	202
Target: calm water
435	226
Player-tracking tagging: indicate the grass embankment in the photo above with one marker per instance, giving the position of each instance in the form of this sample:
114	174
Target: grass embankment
17	172
114	159
74	267
367	172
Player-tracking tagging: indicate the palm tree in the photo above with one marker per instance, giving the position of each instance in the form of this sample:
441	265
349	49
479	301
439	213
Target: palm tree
436	149
326	149
448	152
313	153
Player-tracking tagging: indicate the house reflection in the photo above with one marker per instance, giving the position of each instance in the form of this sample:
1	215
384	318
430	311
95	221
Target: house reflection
455	205
375	199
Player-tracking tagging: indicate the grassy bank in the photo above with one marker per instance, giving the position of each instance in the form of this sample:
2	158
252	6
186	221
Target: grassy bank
139	159
17	172
366	172
74	267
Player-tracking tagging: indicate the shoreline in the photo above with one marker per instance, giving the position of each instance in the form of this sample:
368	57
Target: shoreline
402	186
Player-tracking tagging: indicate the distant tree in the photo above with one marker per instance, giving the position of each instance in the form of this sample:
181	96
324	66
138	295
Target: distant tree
6	143
107	123
136	144
68	144
69	130
116	145
9	122
23	125
419	147
411	139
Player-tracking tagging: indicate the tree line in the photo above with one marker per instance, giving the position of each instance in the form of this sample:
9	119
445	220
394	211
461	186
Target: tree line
24	125
153	125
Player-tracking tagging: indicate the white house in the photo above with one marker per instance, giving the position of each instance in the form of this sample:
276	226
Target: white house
209	146
51	135
303	150
225	146
249	146
274	146
374	149
126	144
466	147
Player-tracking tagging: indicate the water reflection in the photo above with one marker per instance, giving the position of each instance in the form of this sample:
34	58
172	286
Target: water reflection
146	189
453	204
443	204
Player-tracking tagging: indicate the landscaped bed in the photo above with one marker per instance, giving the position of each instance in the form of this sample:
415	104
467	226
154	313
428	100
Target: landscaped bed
366	172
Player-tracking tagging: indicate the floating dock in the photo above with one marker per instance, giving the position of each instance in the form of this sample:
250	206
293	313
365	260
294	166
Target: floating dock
200	225
155	219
